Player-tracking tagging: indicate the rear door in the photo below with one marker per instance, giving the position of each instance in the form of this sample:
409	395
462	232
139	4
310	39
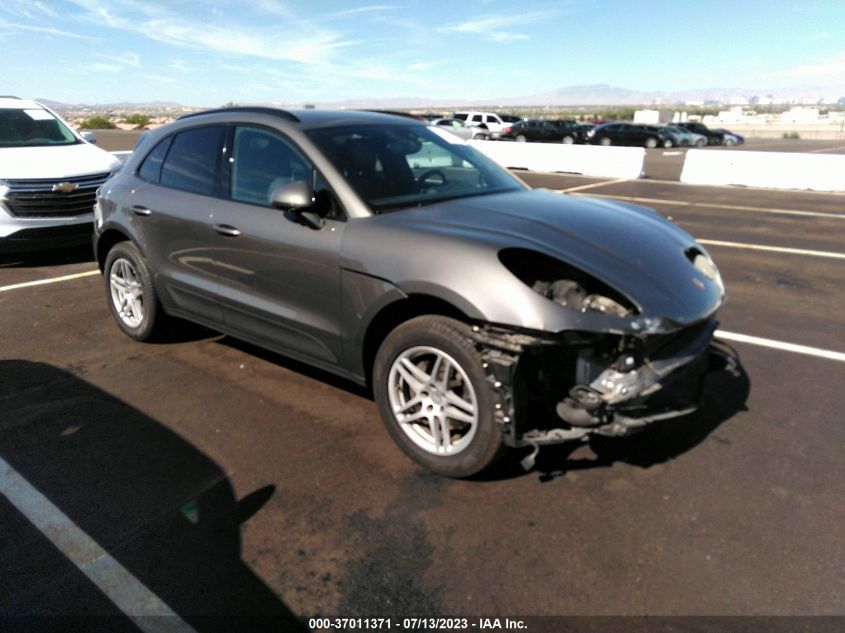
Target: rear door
171	214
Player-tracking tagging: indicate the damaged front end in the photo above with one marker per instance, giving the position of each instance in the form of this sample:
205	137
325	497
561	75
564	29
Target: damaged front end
613	374
553	389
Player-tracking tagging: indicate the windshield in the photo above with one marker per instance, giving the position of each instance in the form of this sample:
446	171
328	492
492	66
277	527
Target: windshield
399	166
33	127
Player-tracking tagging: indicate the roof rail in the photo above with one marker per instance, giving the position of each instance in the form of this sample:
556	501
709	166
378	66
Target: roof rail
10	97
254	109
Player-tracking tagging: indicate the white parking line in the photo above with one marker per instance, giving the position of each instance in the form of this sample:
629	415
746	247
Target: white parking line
775	249
128	593
827	149
715	205
595	184
52	280
788	347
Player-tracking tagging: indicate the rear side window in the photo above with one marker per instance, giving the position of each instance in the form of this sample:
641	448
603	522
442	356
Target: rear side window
193	160
151	167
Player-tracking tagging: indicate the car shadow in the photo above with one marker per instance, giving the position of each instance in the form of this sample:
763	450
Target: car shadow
299	367
725	393
46	258
162	509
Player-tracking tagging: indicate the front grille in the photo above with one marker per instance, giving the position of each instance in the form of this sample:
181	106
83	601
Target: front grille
36	198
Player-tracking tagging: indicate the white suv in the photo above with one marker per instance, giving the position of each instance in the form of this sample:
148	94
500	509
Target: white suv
490	120
49	176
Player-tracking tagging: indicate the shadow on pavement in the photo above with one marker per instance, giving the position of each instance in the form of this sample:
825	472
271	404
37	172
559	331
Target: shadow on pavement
725	393
154	502
52	257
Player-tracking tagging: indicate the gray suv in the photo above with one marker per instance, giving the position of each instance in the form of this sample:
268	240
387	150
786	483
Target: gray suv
483	314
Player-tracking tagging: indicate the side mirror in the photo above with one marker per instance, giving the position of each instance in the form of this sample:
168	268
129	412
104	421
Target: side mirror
297	197
89	137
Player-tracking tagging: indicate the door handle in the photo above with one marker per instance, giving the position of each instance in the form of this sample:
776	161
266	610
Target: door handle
139	210
225	229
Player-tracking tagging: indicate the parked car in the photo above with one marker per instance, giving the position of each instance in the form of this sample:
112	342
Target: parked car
537	130
487	120
684	138
714	137
482	313
48	177
459	128
730	138
627	134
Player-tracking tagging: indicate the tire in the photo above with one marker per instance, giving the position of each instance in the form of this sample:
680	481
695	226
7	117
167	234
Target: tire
567	140
668	143
520	138
651	142
410	366
131	296
700	142
604	140
728	142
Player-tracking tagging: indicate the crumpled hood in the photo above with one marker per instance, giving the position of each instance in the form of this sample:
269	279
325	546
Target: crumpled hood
57	161
631	248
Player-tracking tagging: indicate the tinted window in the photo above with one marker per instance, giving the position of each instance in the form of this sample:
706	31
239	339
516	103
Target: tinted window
400	166
193	160
461	115
151	167
262	162
33	127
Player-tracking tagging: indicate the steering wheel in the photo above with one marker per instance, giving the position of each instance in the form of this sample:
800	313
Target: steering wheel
423	178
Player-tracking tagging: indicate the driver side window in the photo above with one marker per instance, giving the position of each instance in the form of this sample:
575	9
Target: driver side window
262	161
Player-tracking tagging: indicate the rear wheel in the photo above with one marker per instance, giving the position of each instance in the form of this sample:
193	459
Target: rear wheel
520	138
700	142
728	141
433	396
651	142
130	294
668	143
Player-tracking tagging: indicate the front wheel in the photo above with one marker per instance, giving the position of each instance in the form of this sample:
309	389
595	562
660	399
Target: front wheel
605	140
700	142
651	142
668	143
567	140
130	294
433	396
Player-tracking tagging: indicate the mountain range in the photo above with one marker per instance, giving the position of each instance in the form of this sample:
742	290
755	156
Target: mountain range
585	95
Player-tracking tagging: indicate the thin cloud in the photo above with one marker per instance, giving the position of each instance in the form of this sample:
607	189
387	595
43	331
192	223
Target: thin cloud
46	30
496	28
373	8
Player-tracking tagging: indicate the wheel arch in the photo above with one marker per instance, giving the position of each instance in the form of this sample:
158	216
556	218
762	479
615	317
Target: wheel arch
106	242
394	314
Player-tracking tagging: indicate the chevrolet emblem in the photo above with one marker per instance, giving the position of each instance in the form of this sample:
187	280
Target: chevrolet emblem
65	187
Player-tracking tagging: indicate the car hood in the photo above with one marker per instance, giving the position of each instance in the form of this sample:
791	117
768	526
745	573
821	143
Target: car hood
57	161
631	248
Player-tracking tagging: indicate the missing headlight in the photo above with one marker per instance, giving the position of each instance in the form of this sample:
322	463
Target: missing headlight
564	284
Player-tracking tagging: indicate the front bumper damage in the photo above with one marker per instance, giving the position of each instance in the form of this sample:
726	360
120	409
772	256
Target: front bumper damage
553	388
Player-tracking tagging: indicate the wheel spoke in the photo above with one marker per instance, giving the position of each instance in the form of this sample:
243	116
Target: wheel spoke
459	402
456	414
443	383
413	417
445	433
411	403
436	438
416	378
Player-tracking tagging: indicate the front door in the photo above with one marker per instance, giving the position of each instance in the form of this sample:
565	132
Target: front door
279	279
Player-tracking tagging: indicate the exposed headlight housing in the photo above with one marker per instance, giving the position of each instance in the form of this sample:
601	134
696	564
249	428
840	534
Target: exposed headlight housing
564	284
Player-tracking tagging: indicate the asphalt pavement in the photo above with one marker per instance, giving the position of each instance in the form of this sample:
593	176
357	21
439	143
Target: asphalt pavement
227	480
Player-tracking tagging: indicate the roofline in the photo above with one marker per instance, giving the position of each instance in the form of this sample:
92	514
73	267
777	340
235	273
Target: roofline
284	114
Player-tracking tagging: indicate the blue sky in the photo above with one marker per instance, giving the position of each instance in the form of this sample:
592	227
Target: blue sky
208	53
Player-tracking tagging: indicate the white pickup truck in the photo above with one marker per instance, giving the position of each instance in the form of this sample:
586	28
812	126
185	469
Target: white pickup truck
492	121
